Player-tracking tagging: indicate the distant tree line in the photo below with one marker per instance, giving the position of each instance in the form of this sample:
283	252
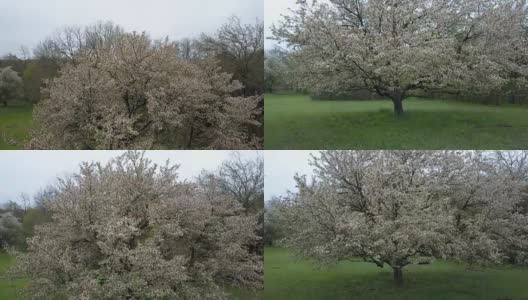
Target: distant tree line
19	218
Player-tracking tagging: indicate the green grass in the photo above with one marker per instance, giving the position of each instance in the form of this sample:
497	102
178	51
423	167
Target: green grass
8	288
239	294
297	122
15	122
287	277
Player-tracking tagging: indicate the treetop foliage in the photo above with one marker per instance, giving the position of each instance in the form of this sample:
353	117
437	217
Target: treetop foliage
130	92
10	85
395	48
393	207
131	229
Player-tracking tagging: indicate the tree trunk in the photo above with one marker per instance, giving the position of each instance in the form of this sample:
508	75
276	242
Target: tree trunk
398	105
191	136
5	103
398	276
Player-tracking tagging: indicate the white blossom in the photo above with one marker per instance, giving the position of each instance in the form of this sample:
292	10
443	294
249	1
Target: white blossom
393	207
135	93
397	47
131	230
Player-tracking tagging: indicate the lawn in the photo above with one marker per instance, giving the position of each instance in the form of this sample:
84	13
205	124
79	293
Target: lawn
8	288
297	122
15	122
287	277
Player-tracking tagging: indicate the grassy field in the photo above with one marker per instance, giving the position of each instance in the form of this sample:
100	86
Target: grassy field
8	289
287	277
15	122
297	122
237	294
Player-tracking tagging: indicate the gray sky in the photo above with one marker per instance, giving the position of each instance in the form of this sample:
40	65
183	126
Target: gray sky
273	9
30	171
279	169
26	22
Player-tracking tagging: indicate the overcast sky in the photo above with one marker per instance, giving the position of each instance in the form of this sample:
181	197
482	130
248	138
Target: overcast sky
273	9
280	167
26	22
30	171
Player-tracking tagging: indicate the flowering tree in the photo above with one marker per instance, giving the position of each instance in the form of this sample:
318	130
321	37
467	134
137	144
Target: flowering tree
394	207
133	93
395	47
10	231
131	230
277	70
240	50
242	180
10	85
273	231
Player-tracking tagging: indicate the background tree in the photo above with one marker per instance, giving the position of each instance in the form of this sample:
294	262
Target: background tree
137	93
43	63
244	180
393	207
395	48
10	231
20	219
240	50
277	71
13	207
37	213
273	229
43	197
65	44
10	85
130	229
25	201
189	49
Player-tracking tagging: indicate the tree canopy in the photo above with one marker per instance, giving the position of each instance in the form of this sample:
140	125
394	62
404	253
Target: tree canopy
10	85
130	92
131	230
397	47
391	208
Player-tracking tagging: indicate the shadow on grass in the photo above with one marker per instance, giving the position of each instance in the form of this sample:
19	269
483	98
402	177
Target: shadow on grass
294	122
287	277
413	130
